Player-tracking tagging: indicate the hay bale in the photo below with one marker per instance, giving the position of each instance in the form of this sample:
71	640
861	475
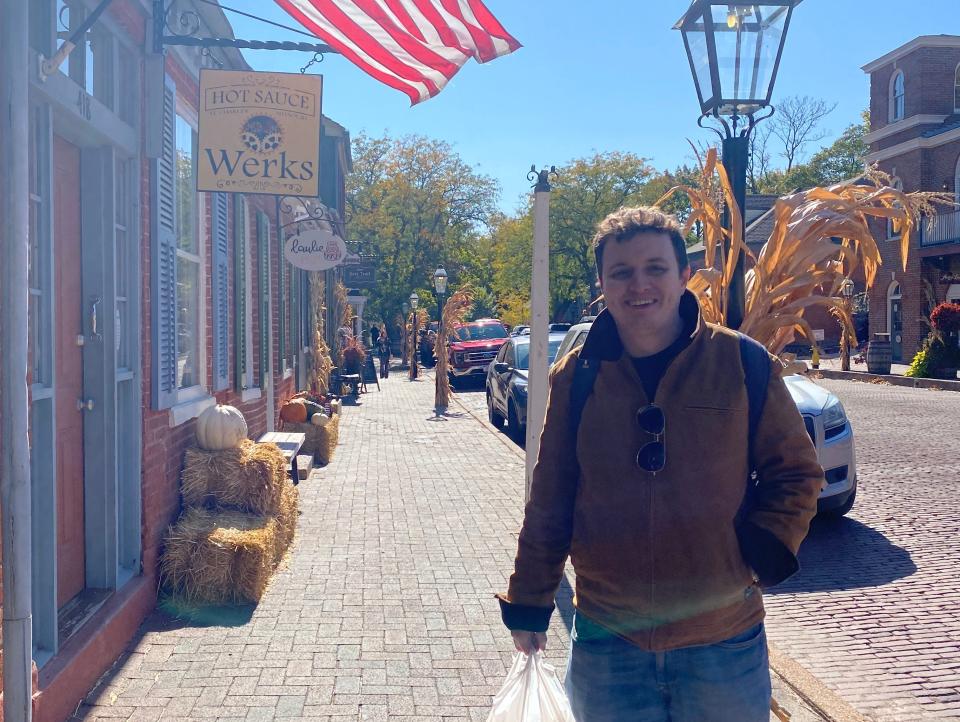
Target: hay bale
287	514
249	477
221	556
320	441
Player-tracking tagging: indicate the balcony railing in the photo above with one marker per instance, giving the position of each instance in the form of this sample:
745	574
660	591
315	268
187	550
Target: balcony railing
946	229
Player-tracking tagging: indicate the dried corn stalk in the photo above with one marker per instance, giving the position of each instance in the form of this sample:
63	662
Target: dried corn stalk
800	265
422	321
454	312
320	361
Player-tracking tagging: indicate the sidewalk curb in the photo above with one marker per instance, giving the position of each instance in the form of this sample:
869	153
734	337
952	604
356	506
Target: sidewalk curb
863	376
811	690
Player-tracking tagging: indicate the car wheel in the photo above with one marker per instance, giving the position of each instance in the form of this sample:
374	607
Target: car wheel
517	432
496	418
844	508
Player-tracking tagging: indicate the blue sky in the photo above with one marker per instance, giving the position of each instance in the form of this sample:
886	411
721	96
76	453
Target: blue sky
600	76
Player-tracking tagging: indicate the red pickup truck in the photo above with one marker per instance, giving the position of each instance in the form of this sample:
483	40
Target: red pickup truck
474	346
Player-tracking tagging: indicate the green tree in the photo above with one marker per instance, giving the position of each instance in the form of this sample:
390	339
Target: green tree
418	205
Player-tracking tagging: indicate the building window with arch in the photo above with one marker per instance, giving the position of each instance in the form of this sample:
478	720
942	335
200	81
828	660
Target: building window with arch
897	97
956	90
891	231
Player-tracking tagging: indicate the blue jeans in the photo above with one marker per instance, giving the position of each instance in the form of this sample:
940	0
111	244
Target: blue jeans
611	680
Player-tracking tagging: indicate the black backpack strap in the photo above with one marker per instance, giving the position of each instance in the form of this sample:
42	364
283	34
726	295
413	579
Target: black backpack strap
584	376
756	376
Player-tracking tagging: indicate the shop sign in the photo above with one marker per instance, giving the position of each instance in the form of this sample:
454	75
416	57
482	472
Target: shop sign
363	275
314	248
950	278
259	132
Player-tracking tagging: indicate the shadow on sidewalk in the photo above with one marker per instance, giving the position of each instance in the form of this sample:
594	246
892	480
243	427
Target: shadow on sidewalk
845	554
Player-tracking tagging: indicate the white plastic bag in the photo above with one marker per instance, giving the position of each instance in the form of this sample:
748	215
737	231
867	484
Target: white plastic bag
531	693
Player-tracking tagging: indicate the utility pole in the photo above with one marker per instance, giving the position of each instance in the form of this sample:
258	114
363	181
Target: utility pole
540	318
15	501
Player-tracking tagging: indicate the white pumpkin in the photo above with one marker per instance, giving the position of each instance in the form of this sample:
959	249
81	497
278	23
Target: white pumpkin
220	427
319	419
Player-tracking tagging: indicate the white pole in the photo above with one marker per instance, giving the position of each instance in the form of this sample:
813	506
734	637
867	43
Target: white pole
539	323
14	410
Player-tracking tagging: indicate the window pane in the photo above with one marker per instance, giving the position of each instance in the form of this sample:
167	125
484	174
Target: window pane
63	32
129	69
186	195
188	342
88	66
40	27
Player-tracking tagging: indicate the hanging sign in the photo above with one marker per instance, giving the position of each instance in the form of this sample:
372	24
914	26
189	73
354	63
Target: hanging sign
314	248
950	278
361	275
259	132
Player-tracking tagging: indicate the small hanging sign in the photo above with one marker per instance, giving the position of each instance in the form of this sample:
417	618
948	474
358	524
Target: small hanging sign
314	248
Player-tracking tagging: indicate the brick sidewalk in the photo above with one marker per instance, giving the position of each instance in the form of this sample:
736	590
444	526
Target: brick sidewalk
385	608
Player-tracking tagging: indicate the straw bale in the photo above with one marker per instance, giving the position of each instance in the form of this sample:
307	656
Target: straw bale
220	556
320	441
287	514
249	477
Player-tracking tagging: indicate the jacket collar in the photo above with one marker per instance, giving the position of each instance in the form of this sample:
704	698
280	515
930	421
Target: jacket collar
603	342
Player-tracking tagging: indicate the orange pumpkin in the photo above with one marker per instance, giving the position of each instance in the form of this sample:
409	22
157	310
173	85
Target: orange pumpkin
294	411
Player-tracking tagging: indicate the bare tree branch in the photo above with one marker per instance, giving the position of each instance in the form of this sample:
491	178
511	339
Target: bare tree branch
796	124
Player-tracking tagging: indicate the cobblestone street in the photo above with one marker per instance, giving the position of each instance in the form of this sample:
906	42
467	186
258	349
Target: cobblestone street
385	610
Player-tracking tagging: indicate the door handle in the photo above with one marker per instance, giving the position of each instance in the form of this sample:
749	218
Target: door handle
94	317
84	404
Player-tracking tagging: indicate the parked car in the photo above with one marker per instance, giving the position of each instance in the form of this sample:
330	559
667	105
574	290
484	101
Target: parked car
826	422
473	346
519	330
507	383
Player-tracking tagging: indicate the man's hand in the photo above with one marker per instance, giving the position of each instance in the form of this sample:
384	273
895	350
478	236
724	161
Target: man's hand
529	642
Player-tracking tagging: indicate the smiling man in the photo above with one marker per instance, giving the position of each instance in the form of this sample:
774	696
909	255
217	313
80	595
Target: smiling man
652	430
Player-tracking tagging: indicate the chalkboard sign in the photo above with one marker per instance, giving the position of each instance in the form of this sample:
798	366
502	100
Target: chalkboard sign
369	372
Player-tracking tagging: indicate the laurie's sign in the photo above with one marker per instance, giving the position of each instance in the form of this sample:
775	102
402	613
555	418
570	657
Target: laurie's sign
259	132
313	246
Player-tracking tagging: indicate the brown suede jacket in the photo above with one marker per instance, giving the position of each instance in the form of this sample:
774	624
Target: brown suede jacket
661	559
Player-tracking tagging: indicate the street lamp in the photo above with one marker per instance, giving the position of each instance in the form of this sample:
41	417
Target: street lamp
440	286
414	299
403	338
847	290
734	51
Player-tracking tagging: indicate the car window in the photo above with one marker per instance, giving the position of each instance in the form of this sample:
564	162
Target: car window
502	354
581	337
482	332
508	357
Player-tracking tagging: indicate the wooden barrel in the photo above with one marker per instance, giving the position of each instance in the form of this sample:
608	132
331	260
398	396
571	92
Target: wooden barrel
879	356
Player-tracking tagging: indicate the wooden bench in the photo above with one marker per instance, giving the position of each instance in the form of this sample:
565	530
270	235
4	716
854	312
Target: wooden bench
290	444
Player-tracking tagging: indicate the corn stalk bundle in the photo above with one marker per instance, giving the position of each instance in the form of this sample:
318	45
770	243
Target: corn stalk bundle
423	319
320	362
801	265
344	309
454	312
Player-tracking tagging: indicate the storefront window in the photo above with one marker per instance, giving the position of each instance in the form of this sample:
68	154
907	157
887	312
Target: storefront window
188	259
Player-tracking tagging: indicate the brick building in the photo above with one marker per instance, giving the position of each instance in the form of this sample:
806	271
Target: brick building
915	137
149	302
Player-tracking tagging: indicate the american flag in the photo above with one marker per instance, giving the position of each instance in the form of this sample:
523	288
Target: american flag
415	46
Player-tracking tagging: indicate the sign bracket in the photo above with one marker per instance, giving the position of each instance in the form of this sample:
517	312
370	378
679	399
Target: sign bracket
171	27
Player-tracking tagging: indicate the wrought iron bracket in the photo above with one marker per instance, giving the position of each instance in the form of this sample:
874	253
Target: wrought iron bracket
736	127
541	178
182	27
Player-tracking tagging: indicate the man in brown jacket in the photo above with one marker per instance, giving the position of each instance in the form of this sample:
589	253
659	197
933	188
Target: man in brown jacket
646	495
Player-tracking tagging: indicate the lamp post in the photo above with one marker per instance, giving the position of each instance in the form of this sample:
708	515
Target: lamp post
734	51
414	299
846	291
404	352
440	286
